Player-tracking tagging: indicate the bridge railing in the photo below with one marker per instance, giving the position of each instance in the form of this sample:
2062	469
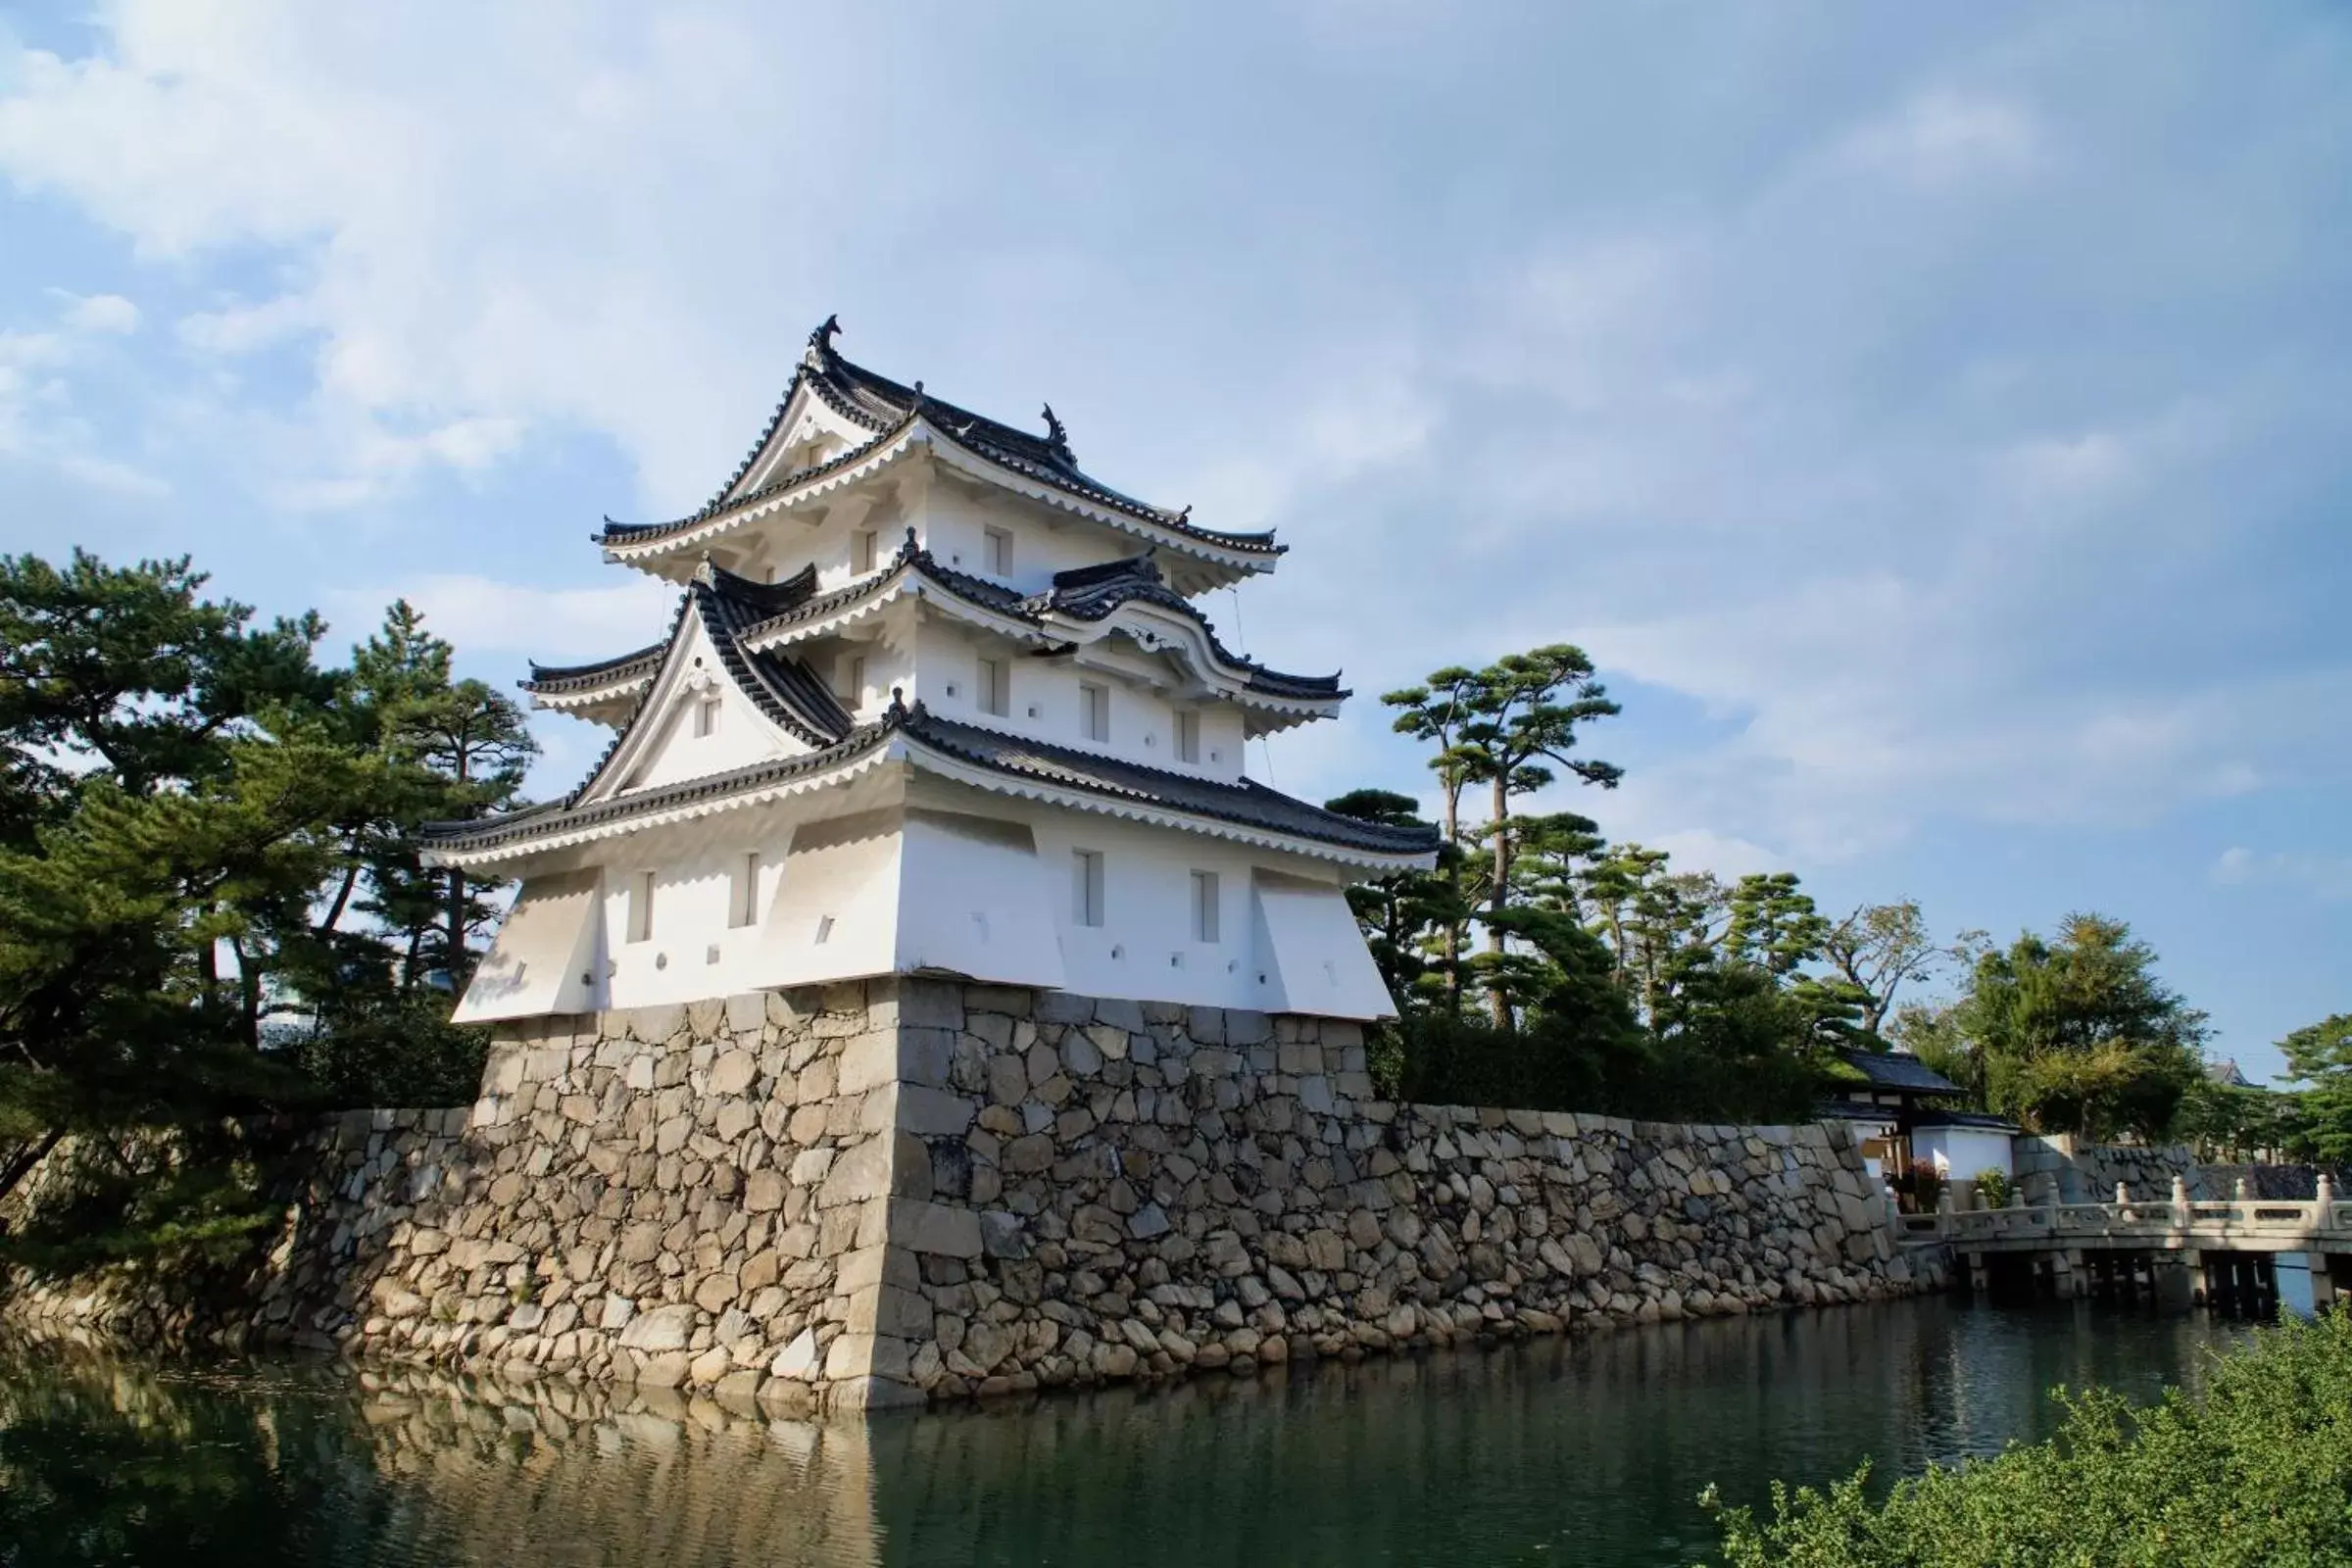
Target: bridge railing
2177	1220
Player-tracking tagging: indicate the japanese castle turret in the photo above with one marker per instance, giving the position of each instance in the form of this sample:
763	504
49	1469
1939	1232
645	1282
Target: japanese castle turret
934	702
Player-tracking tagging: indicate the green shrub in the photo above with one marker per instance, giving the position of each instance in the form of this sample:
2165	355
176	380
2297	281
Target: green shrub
2253	1472
1992	1189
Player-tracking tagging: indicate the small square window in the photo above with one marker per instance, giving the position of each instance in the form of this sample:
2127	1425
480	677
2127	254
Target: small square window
999	552
1204	906
1094	711
1086	903
995	688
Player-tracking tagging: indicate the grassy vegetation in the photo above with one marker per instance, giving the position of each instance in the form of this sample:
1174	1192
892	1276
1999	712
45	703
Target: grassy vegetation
2254	1470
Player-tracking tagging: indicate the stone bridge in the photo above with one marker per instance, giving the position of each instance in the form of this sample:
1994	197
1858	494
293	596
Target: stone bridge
2242	1253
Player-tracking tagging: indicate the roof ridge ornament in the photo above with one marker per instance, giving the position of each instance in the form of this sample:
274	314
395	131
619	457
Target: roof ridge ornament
1057	436
706	571
896	713
820	341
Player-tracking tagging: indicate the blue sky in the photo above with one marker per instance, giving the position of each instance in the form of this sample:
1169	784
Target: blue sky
1933	419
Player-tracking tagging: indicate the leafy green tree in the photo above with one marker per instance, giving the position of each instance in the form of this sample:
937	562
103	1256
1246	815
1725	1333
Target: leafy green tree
2077	1034
1437	712
1525	711
2319	1054
209	901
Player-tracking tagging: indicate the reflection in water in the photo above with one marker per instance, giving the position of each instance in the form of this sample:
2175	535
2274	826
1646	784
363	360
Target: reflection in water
1589	1450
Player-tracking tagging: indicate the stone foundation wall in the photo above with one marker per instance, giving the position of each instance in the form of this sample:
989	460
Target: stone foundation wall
2078	1171
912	1190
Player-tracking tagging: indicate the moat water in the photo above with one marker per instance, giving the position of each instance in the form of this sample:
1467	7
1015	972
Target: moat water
1589	1450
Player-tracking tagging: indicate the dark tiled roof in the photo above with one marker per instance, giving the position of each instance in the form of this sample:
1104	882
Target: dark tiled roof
1899	1071
549	680
1245	804
489	832
1090	593
1983	1120
883	406
785	689
1083	593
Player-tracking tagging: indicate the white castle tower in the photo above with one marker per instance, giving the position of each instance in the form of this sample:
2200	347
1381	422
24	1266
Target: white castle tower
934	702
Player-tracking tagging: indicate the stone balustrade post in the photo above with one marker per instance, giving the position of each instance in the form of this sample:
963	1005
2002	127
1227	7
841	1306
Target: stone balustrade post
2238	1193
2324	1190
2123	1196
2182	1214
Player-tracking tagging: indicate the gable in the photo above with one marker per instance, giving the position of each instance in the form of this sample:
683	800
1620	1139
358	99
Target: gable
665	741
805	432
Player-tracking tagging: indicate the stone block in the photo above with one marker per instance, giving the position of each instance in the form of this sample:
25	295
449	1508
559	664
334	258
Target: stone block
654	1025
936	1228
1066	1008
861	1172
935	1112
930	1005
664	1328
732	1073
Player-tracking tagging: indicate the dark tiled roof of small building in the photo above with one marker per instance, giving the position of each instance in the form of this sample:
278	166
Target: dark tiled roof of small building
1978	1121
1899	1071
878	403
1245	804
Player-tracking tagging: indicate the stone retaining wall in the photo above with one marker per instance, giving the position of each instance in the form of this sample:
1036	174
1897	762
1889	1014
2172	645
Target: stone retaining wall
913	1190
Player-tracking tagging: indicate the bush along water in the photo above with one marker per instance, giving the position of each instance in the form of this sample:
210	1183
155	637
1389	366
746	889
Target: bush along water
2254	1470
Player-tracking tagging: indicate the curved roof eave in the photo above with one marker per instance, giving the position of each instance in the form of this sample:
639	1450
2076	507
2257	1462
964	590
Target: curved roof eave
960	754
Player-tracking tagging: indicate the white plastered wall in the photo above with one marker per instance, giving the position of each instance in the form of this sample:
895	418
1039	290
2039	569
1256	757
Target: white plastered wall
1963	1153
1311	953
1143	724
547	955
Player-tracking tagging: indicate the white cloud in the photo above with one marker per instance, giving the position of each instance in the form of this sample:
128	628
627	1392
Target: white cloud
1944	134
487	619
109	314
2323	876
1775	395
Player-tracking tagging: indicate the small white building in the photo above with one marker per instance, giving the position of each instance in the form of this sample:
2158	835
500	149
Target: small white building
1964	1145
934	700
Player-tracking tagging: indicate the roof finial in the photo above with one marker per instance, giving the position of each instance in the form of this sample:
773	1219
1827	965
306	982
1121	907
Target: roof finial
822	338
898	706
1055	436
706	571
912	547
1186	516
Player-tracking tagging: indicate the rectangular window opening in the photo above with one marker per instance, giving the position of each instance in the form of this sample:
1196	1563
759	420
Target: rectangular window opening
996	687
1188	736
1204	906
641	907
849	680
998	550
706	714
1086	904
861	551
744	899
1094	711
